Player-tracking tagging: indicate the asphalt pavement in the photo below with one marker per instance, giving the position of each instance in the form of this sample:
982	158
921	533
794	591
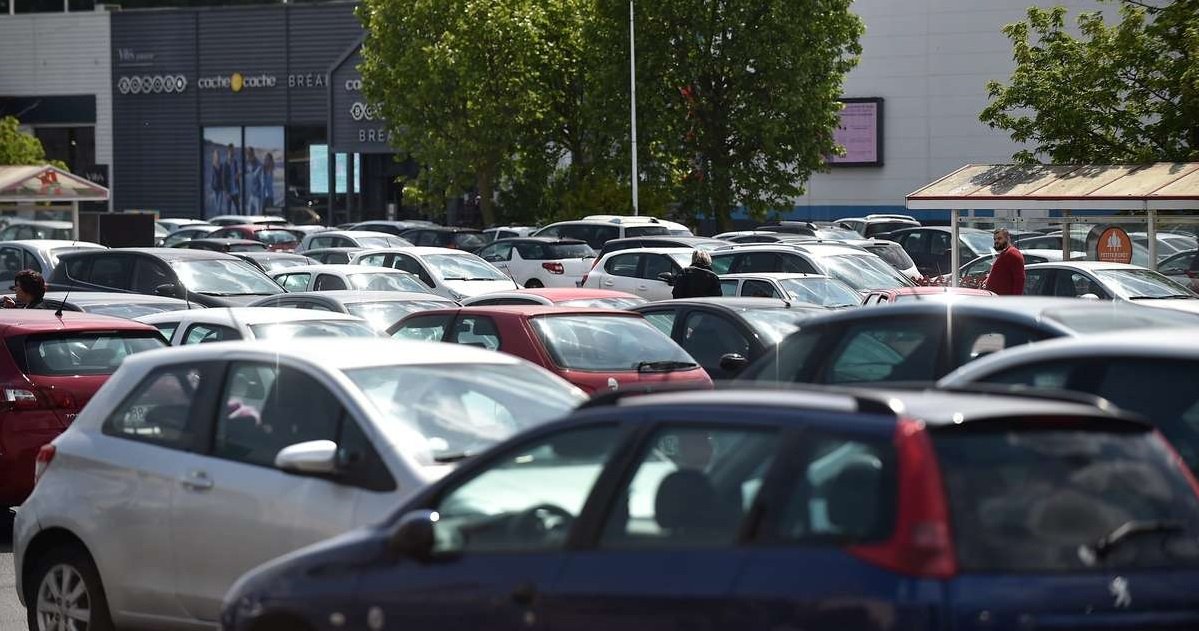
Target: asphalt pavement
12	614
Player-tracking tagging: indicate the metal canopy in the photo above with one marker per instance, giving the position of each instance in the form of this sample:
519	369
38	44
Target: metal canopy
1160	186
45	183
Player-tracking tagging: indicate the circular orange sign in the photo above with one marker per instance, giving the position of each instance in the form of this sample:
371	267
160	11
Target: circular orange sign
1114	246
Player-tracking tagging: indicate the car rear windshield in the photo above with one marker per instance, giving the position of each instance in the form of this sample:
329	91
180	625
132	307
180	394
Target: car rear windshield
603	303
276	237
387	282
382	315
558	251
469	240
383	242
129	310
220	277
645	231
881	227
1041	499
1143	284
893	254
313	328
1113	316
864	272
84	353
607	343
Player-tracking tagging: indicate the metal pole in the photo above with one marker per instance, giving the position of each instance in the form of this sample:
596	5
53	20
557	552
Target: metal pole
955	255
633	101
1152	230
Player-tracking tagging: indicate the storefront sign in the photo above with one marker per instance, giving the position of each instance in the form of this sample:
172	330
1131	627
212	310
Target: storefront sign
358	126
860	133
237	82
1114	246
308	80
131	57
152	84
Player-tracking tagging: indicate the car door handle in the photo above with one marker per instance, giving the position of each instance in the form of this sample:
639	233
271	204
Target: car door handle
196	481
609	282
524	594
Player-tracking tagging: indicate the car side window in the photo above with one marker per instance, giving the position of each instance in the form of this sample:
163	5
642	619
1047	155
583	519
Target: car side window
374	260
498	252
752	262
722	264
266	407
320	242
328	282
886	349
294	282
479	331
915	242
1077	284
205	333
662	320
148	276
1038	282
692	488
1178	265
532	251
981	267
32	263
166	408
552	231
10	263
728	288
844	493
623	265
707	337
974	338
408	264
939	243
536	510
167	329
429	328
112	271
759	289
658	264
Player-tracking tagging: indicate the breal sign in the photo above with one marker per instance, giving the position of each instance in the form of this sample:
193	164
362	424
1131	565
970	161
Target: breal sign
860	133
237	82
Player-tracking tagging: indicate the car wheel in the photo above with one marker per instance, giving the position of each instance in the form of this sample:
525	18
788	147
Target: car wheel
533	283
66	593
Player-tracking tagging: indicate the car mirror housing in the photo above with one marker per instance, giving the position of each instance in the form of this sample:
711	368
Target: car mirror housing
1089	297
413	536
666	277
315	457
733	362
170	290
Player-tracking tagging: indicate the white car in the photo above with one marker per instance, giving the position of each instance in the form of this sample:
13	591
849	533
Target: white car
187	233
1108	281
343	277
637	271
852	265
676	229
241	220
30	229
351	239
540	261
810	288
201	326
981	266
597	232
380	309
446	272
173	224
507	232
192	466
39	255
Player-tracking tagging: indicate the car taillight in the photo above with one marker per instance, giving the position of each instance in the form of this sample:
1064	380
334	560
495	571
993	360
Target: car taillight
18	398
553	268
921	544
44	456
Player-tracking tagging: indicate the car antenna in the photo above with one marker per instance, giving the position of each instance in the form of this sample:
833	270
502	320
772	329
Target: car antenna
67	297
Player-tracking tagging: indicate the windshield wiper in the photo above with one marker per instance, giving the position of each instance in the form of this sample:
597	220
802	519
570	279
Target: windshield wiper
1130	530
1166	297
484	279
664	366
454	278
455	456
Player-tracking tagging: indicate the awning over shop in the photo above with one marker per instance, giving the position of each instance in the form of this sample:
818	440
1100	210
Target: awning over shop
1160	186
45	183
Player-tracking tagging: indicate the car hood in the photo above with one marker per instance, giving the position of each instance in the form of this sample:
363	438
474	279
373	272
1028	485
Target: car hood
471	288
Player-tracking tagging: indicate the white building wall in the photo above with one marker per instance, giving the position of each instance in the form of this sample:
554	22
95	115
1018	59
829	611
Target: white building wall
60	54
930	61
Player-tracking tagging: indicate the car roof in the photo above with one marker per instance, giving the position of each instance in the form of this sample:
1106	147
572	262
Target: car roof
686	251
349	249
665	237
1083	265
251	218
166	254
566	240
771	275
268	254
936	228
44	223
815	249
225	241
45	245
425	250
532	311
446	228
22	321
110	298
1158	344
1028	309
351	296
351	233
338	268
566	293
257	226
933	290
733	303
245	315
935	408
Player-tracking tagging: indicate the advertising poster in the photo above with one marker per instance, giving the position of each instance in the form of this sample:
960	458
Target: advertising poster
263	178
222	171
318	174
860	133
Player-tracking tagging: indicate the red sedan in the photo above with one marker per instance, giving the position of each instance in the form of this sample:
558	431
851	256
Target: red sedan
595	349
276	239
908	294
50	366
559	296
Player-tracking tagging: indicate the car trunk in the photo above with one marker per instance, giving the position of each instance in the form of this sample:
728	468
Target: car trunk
1037	513
596	382
470	288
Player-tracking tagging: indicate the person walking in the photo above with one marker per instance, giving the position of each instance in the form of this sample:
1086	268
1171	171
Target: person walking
1007	272
30	289
698	280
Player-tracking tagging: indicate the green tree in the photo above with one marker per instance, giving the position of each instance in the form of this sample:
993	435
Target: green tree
738	99
1125	92
18	147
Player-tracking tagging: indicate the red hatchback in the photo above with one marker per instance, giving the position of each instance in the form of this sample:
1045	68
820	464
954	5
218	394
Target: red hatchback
595	349
276	239
50	366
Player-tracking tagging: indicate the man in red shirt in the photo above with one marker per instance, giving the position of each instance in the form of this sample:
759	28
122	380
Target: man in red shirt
1007	273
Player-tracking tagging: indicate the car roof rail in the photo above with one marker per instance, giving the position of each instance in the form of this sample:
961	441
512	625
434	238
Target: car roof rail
1046	394
863	402
891	216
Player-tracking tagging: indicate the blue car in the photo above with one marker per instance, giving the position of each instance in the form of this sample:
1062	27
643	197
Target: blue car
735	510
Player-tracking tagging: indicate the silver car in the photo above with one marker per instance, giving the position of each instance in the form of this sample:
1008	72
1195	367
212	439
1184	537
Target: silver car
39	255
193	465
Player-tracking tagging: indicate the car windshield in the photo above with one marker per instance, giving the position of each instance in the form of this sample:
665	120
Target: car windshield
84	353
57	252
378	281
1116	316
604	303
450	410
836	234
893	254
559	251
130	310
775	324
382	315
463	267
646	231
383	242
825	292
311	328
1142	284
864	272
606	343
276	237
1040	500
247	247
278	264
469	240
980	242
219	277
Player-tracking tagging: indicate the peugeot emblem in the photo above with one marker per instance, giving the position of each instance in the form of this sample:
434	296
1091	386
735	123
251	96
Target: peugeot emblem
1119	590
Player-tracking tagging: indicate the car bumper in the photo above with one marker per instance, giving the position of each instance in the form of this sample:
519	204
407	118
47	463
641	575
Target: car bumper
25	527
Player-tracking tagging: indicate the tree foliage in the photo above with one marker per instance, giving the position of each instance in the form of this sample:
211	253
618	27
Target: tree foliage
18	147
1116	93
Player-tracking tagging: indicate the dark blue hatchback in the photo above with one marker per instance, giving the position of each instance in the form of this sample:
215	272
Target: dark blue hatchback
774	510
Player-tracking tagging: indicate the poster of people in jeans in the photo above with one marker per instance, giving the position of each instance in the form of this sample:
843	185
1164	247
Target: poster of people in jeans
243	170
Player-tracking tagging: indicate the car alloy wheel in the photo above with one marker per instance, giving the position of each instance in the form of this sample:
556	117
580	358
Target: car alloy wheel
63	600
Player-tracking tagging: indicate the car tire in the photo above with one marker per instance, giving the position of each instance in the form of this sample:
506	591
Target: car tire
72	565
533	283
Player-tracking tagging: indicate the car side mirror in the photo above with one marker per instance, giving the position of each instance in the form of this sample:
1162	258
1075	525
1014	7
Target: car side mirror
1089	297
315	457
666	277
413	536
169	290
733	362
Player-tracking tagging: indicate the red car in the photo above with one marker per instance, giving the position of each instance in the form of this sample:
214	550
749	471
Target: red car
50	366
559	296
276	239
907	294
595	349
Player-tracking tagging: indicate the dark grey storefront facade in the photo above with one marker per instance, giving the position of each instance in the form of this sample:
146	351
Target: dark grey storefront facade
228	111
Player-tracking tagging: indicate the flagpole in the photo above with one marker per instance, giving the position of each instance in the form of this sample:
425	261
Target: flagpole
633	101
